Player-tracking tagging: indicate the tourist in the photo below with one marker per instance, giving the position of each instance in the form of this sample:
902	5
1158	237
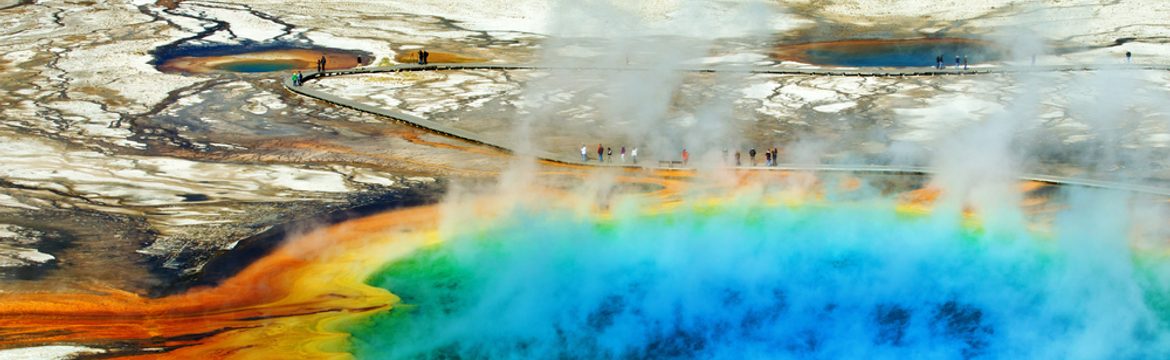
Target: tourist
294	80
324	62
609	154
600	153
964	62
775	156
686	156
584	157
623	154
938	62
737	156
956	62
359	58
634	155
426	57
768	158
752	156
420	57
1128	57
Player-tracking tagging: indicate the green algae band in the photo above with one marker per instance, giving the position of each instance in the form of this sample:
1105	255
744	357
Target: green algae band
758	282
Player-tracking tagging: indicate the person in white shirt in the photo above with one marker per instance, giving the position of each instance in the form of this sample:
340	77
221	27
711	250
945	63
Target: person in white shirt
634	155
584	158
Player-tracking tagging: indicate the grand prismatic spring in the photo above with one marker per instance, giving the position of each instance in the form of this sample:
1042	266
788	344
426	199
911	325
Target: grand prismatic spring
585	180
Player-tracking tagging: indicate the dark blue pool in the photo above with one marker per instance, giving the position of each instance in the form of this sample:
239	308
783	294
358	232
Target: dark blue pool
892	53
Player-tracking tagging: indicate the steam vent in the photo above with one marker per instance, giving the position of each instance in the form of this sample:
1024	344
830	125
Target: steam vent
602	179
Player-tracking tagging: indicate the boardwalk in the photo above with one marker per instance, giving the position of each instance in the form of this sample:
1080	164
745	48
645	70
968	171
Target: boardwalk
570	156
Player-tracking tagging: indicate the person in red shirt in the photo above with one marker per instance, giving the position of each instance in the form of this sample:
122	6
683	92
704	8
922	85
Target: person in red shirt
686	156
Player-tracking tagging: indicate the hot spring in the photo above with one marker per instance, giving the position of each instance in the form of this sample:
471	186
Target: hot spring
254	58
892	53
746	279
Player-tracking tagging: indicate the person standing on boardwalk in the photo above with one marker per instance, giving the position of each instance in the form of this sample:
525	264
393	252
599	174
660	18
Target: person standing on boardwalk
1128	57
609	154
737	156
584	157
634	155
623	154
686	156
324	62
775	156
752	156
957	62
420	57
964	62
768	158
600	153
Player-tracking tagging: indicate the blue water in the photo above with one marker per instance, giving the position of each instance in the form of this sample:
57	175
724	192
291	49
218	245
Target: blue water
258	66
902	54
753	282
173	51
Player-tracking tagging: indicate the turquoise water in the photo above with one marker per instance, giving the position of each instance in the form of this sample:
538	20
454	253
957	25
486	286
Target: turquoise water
748	282
258	66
